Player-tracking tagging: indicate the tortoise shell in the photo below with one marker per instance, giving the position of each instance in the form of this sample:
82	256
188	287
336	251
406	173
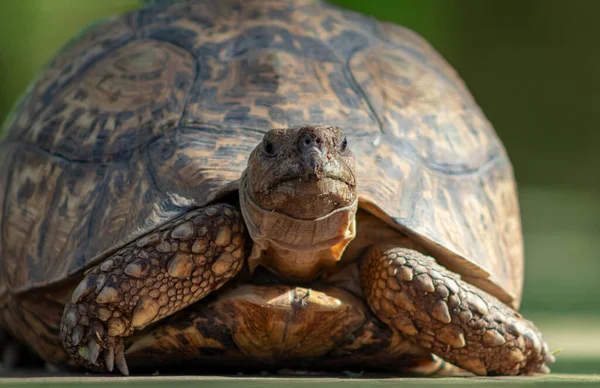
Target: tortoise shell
148	115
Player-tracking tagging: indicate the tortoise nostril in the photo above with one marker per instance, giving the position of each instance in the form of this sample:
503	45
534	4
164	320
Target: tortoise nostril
308	142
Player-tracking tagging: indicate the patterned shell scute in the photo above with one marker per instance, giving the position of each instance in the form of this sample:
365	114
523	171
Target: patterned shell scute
150	114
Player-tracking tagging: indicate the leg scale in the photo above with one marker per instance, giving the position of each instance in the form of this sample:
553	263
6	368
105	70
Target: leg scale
433	308
152	278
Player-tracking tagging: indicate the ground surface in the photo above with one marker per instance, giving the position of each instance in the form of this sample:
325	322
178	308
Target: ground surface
578	363
562	380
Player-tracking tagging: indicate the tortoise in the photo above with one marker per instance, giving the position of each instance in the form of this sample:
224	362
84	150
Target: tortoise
260	184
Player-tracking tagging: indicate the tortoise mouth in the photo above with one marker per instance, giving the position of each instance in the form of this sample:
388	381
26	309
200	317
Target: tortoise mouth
310	181
307	196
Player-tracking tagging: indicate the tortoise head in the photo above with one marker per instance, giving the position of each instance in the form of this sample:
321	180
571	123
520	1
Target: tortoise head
299	197
305	172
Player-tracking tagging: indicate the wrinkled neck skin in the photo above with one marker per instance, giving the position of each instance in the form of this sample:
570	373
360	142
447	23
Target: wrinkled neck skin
297	250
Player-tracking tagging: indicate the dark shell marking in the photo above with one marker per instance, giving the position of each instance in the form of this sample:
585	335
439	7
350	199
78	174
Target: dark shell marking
150	114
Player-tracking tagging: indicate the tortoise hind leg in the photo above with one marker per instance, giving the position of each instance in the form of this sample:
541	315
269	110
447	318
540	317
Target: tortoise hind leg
14	354
150	279
32	321
438	311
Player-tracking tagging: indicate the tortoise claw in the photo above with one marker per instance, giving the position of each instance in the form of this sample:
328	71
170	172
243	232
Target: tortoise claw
77	335
94	350
109	354
120	358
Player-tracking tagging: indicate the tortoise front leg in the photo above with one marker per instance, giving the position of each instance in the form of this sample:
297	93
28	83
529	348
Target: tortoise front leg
148	280
433	308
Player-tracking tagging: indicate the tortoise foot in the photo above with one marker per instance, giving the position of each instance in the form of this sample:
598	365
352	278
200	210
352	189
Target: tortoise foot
433	308
11	353
92	342
14	354
148	280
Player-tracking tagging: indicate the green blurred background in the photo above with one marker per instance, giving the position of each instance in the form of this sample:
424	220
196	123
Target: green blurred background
532	65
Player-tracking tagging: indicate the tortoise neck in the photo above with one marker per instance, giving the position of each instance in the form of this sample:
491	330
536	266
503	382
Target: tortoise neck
296	249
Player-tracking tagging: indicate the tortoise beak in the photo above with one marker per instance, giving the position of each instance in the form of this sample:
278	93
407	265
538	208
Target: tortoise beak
314	153
313	163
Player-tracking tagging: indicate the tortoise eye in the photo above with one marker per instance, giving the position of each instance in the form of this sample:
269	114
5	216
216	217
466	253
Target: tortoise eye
269	148
344	145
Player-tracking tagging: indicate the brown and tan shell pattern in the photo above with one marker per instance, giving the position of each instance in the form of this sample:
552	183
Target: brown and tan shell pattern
148	115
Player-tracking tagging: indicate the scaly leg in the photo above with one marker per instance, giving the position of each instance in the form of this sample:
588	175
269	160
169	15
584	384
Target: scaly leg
433	308
152	278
